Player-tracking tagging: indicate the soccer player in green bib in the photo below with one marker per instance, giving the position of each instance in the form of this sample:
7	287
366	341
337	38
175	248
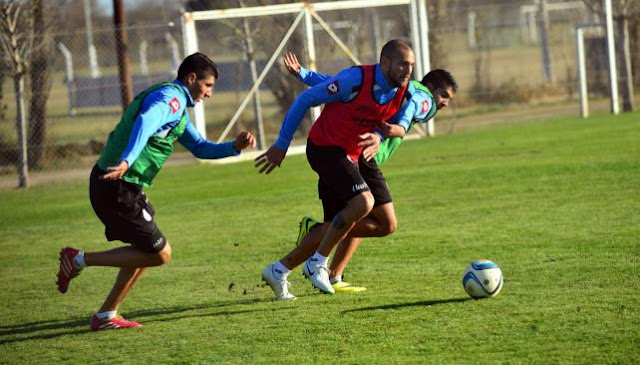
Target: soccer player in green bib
135	151
431	94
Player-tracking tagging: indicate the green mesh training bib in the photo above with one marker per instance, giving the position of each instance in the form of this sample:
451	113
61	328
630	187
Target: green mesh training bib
153	155
390	145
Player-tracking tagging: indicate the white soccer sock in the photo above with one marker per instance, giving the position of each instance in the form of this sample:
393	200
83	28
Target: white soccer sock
319	259
78	261
281	270
106	315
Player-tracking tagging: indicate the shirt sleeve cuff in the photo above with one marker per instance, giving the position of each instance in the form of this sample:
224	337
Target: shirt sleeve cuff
303	73
232	150
282	145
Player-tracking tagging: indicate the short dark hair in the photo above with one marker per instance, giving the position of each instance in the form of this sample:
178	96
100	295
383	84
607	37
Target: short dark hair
392	47
198	63
440	78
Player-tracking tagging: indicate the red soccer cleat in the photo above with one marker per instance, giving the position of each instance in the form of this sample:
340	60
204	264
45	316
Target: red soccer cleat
114	323
67	269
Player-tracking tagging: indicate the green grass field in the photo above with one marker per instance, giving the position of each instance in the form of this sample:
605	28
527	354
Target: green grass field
555	202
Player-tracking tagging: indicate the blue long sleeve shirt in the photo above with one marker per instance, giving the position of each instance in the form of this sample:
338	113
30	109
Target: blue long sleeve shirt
416	108
160	112
342	87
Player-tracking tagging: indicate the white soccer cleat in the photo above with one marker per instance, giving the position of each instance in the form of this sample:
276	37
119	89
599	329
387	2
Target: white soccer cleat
319	276
280	286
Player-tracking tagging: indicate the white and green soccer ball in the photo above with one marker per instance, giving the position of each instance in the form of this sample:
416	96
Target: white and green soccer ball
482	279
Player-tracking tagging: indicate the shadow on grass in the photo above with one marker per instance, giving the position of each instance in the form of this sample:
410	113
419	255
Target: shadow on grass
422	303
41	330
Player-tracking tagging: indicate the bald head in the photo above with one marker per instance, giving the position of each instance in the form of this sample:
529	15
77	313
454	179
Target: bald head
393	48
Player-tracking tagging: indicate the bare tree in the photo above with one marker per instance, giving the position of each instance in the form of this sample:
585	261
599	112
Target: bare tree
39	72
16	43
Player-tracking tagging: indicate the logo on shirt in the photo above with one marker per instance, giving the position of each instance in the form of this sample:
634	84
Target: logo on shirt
333	88
174	104
425	105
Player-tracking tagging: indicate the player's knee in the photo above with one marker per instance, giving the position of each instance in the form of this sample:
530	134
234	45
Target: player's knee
386	227
389	227
360	205
164	255
367	202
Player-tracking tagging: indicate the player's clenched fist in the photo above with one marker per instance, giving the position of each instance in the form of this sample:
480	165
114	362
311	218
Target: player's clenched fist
244	140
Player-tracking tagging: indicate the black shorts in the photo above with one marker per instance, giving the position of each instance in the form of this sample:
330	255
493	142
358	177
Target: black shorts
339	176
126	212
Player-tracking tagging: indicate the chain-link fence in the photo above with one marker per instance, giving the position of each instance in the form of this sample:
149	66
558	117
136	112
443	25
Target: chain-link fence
500	52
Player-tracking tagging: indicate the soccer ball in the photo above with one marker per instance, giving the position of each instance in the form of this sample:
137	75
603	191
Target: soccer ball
482	279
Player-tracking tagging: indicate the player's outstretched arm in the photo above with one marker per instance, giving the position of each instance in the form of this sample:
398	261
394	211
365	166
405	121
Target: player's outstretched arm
209	150
269	160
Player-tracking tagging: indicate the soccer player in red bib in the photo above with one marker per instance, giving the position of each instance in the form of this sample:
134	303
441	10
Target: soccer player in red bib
357	101
433	93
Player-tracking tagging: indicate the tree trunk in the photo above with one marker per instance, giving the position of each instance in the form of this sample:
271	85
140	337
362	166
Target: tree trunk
40	85
624	57
23	169
634	38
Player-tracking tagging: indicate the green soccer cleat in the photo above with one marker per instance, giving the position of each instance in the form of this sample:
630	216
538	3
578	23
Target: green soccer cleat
305	226
344	287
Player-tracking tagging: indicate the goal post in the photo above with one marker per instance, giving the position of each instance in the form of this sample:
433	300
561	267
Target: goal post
305	13
611	58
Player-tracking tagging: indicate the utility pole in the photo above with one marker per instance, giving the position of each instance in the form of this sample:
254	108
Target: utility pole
124	72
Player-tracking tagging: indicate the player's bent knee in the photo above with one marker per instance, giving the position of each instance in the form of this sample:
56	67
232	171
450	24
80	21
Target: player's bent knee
390	228
369	201
360	205
164	255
